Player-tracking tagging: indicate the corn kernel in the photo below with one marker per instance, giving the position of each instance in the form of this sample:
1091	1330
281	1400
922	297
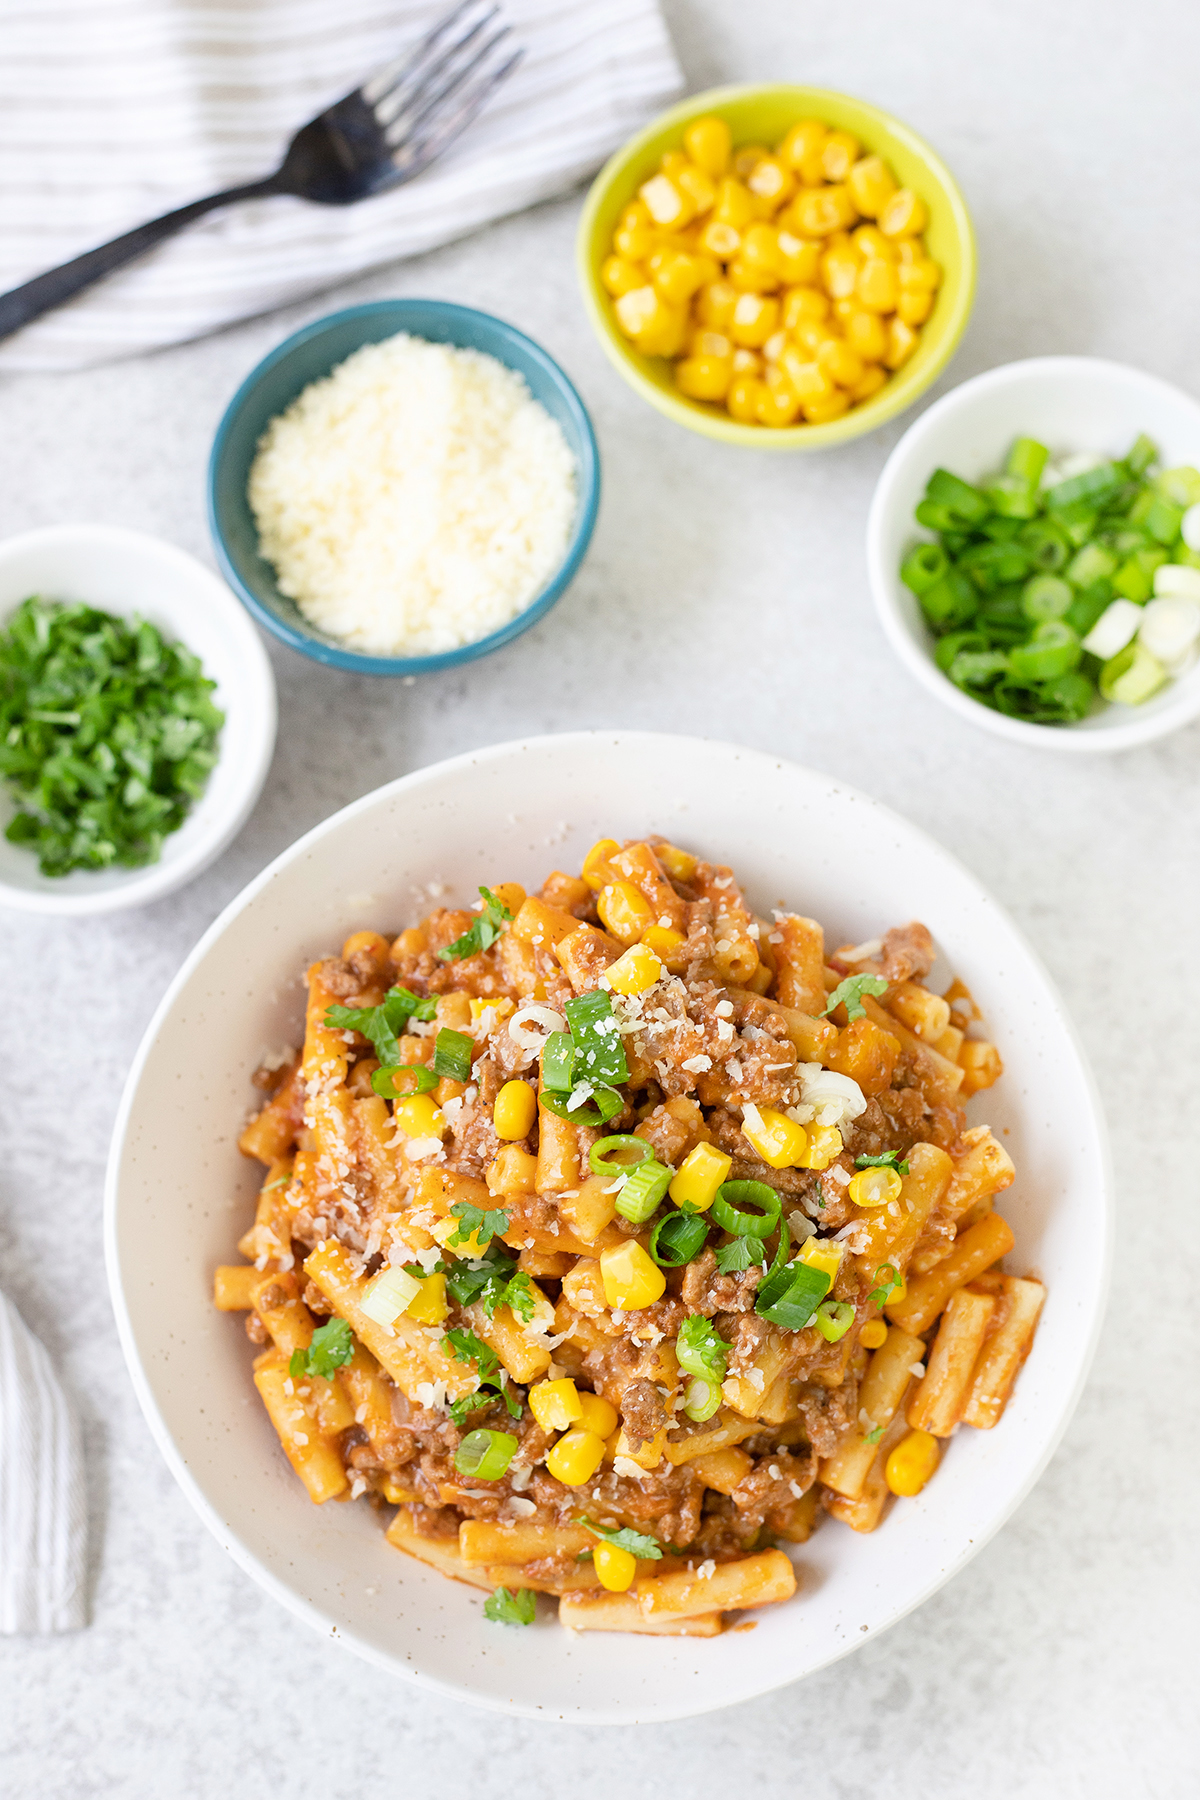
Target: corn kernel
597	1414
576	1457
873	379
708	143
807	377
872	243
839	153
615	1567
636	242
720	239
804	303
418	1116
914	307
734	205
625	911
714	304
679	864
872	184
620	276
667	945
430	1306
514	1111
840	267
760	248
921	273
912	1462
752	278
755	317
778	403
865	334
667	205
840	362
824	1144
655	327
873	1333
703	341
822	1253
637	970
746	362
809	334
874	1187
819	211
902	341
631	1280
771	182
704	377
780	1141
904	215
908	250
801	150
775	346
556	1405
699	1176
799	257
877	287
498	1007
699	188
742	398
747	159
595	869
677	276
829	407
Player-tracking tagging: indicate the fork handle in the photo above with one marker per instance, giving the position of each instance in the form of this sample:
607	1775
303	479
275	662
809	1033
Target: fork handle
46	291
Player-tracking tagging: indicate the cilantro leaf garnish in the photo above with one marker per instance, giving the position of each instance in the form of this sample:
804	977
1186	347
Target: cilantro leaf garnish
873	1437
465	1347
494	1281
739	1254
507	1608
482	934
519	1297
636	1542
332	1345
108	733
701	1350
460	1409
851	991
382	1024
888	1277
474	1222
889	1160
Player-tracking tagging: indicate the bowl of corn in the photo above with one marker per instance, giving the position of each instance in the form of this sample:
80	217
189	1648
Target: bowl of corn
781	266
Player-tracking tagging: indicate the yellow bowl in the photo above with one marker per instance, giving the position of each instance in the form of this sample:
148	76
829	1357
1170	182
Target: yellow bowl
763	115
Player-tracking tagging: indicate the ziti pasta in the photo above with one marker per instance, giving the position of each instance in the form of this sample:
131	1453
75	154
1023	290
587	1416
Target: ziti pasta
613	1234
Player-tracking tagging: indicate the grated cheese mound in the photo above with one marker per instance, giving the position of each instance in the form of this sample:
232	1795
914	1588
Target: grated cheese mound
414	500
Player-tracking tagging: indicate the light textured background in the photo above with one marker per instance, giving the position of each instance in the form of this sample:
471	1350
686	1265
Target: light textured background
1057	1664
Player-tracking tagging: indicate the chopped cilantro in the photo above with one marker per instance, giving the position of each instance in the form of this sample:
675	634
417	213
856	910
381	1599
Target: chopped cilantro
739	1254
636	1542
465	1347
507	1608
460	1409
108	733
701	1350
381	1024
482	933
889	1160
873	1437
331	1346
519	1297
475	1223
494	1281
851	991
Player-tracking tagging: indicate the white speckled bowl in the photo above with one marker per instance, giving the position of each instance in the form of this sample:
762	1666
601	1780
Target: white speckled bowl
179	1195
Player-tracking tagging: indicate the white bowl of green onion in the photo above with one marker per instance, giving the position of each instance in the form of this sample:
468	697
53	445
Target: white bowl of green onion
1034	553
137	719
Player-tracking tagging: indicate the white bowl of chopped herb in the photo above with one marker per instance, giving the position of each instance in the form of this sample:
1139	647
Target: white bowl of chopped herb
1059	605
137	719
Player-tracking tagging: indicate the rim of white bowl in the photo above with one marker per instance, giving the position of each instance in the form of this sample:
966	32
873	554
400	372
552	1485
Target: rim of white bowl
138	887
314	1615
1123	733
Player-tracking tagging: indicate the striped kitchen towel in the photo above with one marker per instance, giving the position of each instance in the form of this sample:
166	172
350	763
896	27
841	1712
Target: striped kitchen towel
43	1505
112	111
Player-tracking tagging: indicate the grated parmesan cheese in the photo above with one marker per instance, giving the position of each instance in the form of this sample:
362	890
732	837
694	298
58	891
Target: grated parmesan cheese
416	499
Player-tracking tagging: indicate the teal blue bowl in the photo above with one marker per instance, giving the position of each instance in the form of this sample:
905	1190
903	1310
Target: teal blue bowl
307	356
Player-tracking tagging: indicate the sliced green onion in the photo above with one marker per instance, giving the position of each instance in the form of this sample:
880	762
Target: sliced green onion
558	1060
606	1103
677	1238
1132	676
781	1249
1182	485
1095	486
599	1052
1013	496
1163	521
732	1200
485	1454
1044	544
640	1150
1092	563
923	566
834	1319
790	1296
1046	597
642	1193
701	1350
949	602
386	1081
977	668
1027	459
701	1399
948	647
959	497
452	1055
1144	453
1053	650
935	517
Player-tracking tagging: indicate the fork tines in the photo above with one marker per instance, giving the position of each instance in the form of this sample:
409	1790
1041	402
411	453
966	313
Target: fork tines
425	98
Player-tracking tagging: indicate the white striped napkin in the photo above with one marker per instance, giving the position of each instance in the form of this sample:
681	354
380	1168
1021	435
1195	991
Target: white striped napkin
112	111
43	1504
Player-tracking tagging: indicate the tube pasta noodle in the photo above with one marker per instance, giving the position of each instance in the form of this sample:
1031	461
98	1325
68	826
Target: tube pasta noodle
744	1247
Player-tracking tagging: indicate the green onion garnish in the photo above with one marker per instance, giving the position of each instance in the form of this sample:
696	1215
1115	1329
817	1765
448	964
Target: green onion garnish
386	1081
642	1191
888	1277
677	1238
849	994
332	1345
701	1350
452	1055
558	1062
746	1208
606	1103
790	1296
833	1319
599	1052
482	934
701	1399
485	1455
634	1150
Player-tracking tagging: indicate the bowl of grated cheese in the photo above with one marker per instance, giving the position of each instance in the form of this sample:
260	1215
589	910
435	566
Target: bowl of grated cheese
403	486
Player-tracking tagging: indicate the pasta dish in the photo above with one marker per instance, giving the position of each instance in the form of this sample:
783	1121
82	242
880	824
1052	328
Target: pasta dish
613	1236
